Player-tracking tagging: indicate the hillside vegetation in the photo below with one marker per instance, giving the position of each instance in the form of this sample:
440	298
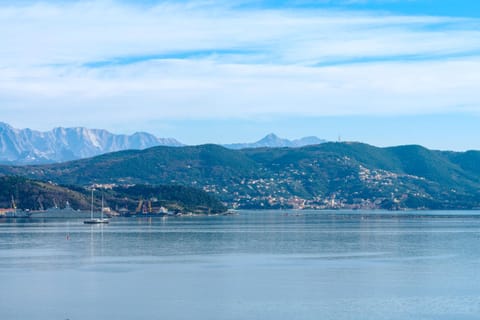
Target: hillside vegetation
329	175
37	195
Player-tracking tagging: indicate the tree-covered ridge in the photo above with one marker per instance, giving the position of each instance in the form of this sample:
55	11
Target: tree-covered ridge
173	197
37	195
349	175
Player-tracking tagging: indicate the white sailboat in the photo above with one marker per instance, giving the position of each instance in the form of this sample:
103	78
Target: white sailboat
93	220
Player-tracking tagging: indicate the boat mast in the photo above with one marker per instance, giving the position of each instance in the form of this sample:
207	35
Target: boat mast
91	207
14	207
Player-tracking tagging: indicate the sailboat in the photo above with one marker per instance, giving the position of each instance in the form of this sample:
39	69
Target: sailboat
96	220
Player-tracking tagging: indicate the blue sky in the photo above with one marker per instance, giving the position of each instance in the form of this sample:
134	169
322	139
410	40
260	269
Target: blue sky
382	72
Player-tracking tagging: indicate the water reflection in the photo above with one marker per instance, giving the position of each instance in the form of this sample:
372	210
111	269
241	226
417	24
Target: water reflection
259	265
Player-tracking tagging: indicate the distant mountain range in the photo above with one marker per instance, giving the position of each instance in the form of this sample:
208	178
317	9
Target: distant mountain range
273	141
328	175
26	146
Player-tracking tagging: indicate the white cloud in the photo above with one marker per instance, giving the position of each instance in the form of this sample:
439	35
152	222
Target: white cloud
191	88
86	31
266	62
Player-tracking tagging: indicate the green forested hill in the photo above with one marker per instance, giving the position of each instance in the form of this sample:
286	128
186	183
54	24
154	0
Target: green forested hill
351	175
29	194
37	195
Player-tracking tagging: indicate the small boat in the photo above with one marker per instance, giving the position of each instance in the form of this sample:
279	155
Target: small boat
96	221
93	220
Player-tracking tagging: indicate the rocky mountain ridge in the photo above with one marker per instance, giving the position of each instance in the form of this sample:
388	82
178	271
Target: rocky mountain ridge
26	146
273	141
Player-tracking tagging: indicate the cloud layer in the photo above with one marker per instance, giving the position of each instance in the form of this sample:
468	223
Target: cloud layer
174	60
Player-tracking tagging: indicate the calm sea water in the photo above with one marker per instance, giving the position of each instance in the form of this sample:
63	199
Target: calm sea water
258	265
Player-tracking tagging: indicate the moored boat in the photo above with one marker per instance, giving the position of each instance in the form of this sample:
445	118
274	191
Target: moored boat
60	213
96	221
93	220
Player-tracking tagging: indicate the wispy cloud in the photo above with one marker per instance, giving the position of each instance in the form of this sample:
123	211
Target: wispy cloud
204	59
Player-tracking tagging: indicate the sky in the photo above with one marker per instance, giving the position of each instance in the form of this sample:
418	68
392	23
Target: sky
383	72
